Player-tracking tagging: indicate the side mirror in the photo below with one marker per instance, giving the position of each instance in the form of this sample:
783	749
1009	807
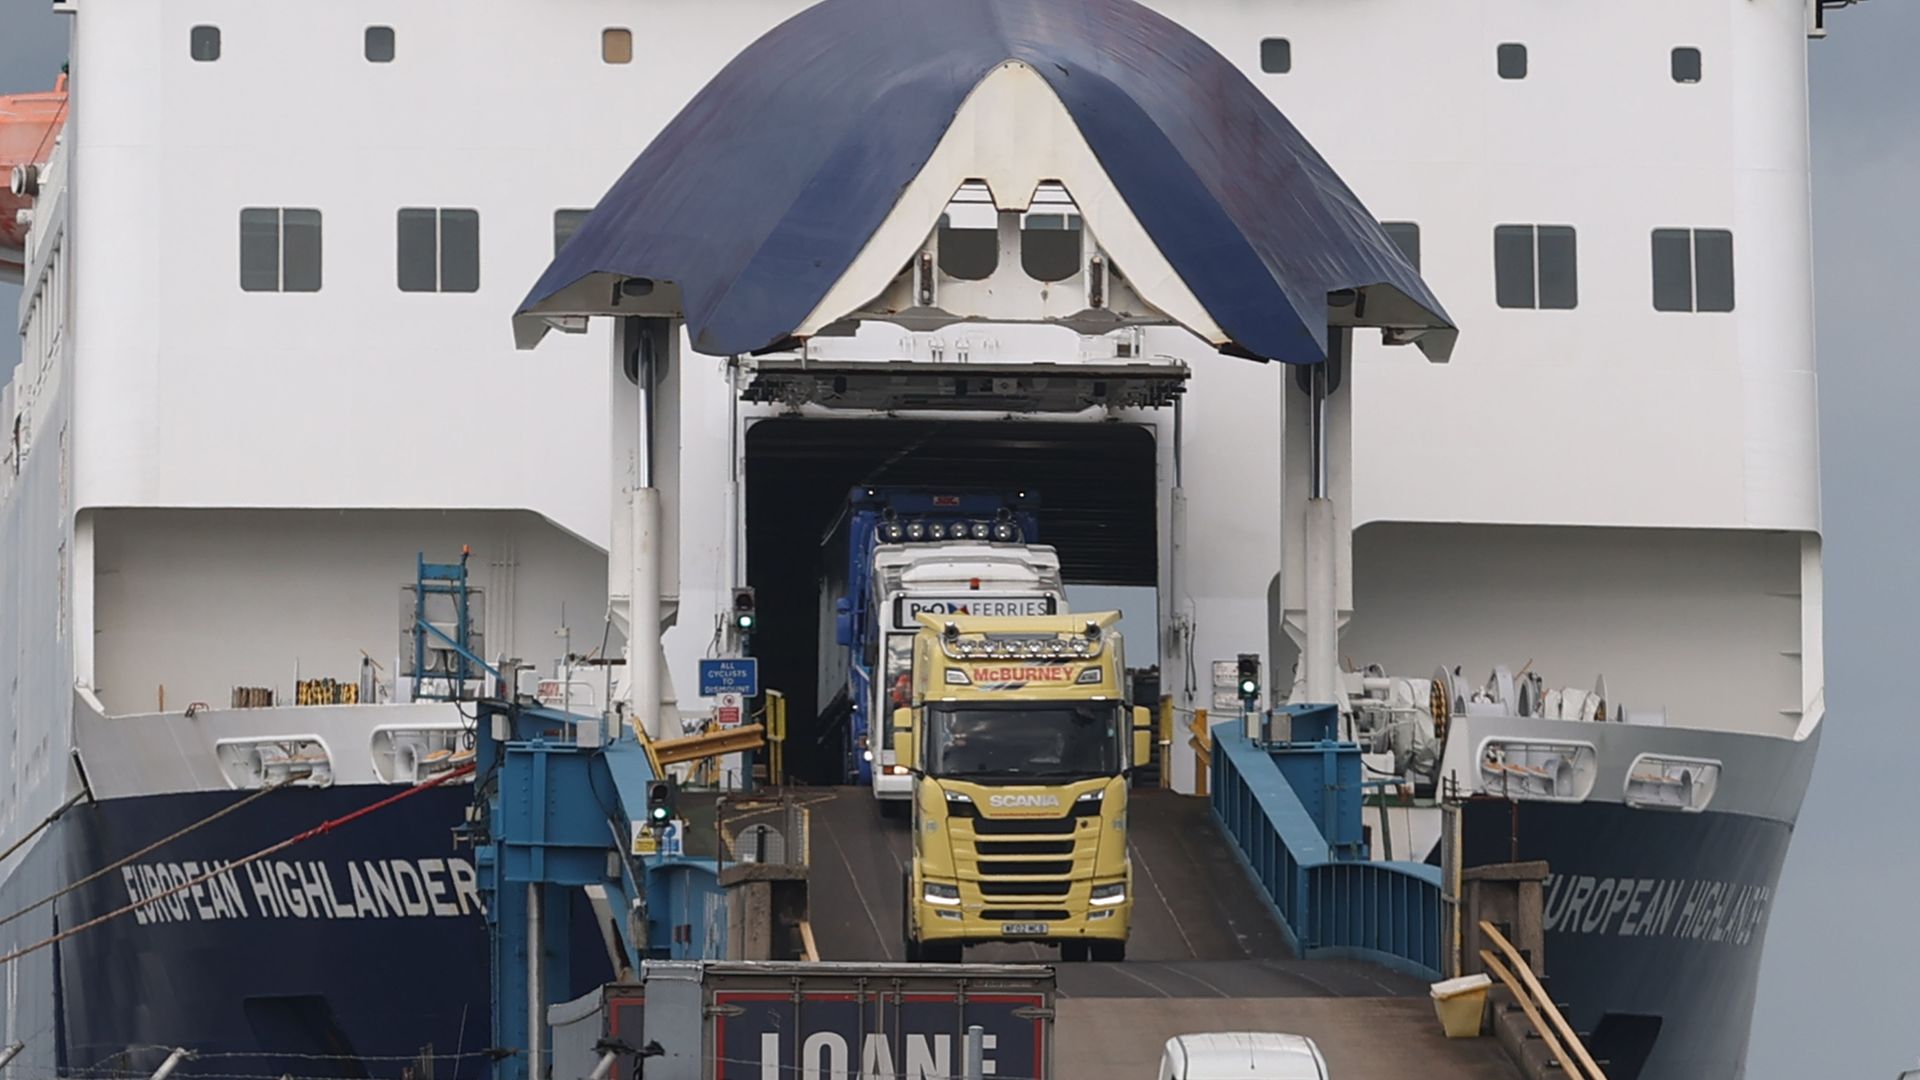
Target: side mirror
843	622
1142	736
904	750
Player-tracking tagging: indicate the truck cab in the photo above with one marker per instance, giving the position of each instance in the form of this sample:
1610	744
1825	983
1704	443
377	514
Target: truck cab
1020	743
942	581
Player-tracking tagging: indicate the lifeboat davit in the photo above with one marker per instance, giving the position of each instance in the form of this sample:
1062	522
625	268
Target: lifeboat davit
28	124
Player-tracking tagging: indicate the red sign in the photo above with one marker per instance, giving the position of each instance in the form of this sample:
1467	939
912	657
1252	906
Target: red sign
727	716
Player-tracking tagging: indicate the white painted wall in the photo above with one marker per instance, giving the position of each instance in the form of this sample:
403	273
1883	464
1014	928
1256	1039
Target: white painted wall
201	601
1703	623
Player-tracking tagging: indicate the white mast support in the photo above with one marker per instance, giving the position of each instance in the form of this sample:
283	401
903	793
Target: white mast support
643	564
1316	545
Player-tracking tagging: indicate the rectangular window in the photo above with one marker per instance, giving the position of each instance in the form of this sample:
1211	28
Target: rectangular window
203	43
1535	266
279	249
565	224
1405	236
1686	64
439	249
1692	270
616	45
1276	56
379	44
1511	60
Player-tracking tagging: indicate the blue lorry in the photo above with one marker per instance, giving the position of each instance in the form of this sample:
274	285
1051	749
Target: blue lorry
891	554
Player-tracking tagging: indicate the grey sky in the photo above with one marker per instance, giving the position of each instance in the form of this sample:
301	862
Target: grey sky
1842	970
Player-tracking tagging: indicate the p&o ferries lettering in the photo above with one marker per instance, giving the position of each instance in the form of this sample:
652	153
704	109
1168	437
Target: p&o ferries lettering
296	889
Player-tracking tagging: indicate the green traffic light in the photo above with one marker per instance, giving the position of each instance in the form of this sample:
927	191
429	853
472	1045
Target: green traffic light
744	621
659	813
1249	687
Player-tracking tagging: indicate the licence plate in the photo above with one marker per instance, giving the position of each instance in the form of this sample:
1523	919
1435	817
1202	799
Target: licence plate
1023	929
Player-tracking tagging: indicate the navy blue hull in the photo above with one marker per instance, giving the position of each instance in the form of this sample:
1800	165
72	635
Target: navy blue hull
1654	924
351	954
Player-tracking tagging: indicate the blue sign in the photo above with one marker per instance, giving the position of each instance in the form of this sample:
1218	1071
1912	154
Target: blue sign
738	675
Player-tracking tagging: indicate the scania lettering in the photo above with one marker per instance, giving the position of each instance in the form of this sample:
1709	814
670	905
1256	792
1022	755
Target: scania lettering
1020	785
897	554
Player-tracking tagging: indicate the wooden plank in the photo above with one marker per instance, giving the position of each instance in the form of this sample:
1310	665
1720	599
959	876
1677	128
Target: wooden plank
1539	993
1513	986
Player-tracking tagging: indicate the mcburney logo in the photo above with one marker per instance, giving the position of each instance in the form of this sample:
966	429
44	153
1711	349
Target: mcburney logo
1023	675
1024	802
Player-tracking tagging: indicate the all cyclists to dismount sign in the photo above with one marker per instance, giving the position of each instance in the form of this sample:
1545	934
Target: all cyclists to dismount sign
732	675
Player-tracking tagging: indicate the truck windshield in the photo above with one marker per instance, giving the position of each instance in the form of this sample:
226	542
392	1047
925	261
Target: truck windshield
1027	740
896	683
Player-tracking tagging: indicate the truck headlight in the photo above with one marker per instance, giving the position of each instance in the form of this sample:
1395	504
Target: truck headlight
1107	895
944	895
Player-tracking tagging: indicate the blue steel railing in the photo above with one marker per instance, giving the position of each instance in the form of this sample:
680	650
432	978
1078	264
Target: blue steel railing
1386	912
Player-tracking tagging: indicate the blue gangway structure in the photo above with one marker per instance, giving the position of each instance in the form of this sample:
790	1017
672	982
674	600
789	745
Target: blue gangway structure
1292	811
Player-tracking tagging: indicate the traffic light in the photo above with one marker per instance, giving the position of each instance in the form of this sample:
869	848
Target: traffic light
1249	678
660	802
745	618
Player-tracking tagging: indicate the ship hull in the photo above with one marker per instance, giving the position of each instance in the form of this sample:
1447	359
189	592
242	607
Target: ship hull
355	953
1654	923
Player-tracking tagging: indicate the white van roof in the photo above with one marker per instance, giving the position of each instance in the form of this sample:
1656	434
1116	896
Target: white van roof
1244	1055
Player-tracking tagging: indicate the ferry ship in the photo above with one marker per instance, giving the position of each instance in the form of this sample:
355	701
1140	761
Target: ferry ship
271	253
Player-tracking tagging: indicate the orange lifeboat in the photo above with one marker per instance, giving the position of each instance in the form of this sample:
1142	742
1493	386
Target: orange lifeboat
28	124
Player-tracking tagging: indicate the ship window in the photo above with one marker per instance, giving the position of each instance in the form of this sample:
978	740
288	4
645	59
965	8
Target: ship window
1405	236
1276	56
439	250
1512	60
203	43
616	45
967	254
1535	266
1686	64
1050	246
565	224
279	249
380	44
1692	270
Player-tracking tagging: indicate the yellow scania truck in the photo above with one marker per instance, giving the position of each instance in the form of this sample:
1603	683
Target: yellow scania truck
1021	740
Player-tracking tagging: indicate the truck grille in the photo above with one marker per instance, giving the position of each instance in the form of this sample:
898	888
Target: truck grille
1024	914
1024	888
1060	826
1024	847
1033	868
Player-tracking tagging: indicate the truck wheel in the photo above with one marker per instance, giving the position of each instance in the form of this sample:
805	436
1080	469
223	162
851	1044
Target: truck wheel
1074	952
894	809
1108	952
944	952
913	949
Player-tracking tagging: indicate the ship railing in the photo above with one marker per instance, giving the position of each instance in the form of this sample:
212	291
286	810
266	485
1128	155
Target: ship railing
1328	906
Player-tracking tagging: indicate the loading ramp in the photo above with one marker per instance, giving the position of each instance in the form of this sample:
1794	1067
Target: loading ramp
1207	953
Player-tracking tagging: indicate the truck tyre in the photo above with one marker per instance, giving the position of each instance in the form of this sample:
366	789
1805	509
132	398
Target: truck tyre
944	952
894	809
912	950
1074	952
1108	952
